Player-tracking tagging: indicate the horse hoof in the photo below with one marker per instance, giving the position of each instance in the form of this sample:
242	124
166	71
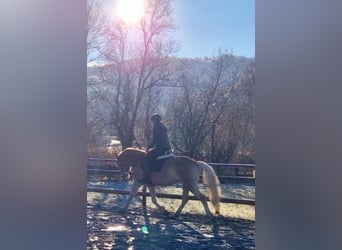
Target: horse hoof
165	213
121	211
163	210
174	217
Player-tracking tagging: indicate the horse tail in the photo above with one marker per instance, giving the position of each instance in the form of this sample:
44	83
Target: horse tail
212	183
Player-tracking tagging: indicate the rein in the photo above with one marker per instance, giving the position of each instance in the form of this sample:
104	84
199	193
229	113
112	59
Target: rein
131	165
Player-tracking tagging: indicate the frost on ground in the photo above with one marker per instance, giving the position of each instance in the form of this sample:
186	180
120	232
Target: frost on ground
148	228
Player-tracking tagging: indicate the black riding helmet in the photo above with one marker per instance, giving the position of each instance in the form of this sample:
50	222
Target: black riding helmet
156	117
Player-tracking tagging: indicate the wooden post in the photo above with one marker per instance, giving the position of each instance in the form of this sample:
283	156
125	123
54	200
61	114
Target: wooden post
236	171
144	197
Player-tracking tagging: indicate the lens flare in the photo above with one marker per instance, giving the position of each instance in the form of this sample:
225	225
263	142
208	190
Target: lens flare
130	11
144	230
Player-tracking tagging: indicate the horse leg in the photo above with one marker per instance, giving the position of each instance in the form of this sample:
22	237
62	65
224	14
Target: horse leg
184	201
134	190
154	198
202	198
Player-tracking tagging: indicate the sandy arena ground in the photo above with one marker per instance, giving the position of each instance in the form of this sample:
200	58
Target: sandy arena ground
148	228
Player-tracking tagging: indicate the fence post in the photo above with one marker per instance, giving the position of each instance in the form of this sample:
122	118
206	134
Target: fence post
144	197
237	172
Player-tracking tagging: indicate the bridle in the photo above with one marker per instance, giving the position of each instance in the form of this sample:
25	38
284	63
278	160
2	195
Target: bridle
126	174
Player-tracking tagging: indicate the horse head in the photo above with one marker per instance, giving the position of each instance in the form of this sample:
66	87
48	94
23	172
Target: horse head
128	160
124	168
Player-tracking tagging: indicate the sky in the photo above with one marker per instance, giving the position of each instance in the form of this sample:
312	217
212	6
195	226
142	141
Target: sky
205	26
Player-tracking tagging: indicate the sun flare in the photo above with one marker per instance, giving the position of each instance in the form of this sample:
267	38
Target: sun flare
130	11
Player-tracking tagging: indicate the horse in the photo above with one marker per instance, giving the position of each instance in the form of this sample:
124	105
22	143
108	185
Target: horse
180	169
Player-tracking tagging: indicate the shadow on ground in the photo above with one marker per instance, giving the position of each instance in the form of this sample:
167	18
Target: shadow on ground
147	228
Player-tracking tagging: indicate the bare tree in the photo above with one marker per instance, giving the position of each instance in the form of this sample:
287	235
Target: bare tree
199	107
137	63
211	112
234	138
96	29
247	103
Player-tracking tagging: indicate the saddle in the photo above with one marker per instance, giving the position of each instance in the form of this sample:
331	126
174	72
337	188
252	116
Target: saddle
157	165
159	162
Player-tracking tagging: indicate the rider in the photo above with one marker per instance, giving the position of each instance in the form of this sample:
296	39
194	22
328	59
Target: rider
159	145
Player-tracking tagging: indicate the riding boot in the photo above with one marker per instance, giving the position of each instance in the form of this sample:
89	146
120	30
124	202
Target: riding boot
146	173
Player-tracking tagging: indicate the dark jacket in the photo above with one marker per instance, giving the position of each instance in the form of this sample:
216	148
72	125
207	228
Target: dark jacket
160	139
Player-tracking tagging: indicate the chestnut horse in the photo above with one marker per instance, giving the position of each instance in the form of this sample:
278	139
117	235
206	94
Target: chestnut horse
180	169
